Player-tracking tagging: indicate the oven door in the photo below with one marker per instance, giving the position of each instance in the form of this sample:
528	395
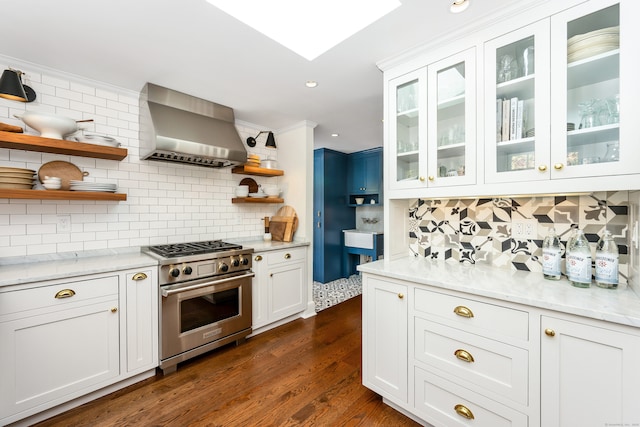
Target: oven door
201	312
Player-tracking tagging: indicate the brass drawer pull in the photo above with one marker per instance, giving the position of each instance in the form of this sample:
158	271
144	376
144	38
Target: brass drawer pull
114	309
400	295
463	311
258	258
558	166
139	276
550	332
65	293
464	355
464	412
287	256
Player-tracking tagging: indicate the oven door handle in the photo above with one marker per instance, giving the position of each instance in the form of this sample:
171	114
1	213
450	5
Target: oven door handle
167	292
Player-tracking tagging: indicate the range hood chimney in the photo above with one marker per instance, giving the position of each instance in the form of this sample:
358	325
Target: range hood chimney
177	127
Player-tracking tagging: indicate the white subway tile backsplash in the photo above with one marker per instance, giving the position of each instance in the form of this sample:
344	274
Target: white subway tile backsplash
166	202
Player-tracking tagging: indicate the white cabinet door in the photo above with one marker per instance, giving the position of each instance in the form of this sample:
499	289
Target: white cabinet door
589	374
384	337
451	119
259	292
141	319
287	293
517	105
50	358
595	87
408	130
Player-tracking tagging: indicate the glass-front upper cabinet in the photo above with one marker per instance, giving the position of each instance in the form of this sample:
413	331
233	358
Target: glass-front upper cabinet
451	147
407	129
517	105
594	91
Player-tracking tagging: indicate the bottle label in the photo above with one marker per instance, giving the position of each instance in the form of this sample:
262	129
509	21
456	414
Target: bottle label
607	269
551	258
579	267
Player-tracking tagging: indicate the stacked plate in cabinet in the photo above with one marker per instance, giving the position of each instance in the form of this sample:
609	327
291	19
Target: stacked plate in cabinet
593	43
17	178
92	186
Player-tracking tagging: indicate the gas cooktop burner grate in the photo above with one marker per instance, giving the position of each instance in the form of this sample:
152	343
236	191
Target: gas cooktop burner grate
193	248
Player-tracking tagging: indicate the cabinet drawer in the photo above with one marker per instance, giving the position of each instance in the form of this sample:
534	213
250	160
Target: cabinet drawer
479	363
289	255
442	403
57	295
479	317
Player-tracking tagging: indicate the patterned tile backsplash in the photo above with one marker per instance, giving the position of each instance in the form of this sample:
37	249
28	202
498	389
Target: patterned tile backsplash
480	230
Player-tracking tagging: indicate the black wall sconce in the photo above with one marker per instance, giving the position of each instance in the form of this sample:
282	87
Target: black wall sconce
271	141
11	87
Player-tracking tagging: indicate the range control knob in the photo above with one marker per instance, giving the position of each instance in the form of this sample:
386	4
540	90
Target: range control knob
235	262
244	261
223	267
187	270
174	272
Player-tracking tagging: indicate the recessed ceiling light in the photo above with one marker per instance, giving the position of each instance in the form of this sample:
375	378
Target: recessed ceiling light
459	6
335	135
307	28
311	83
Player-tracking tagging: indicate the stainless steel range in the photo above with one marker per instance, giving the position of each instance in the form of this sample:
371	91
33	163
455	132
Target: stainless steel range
205	301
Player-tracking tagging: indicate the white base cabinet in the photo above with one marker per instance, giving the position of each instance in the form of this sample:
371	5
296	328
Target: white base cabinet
456	359
279	285
67	338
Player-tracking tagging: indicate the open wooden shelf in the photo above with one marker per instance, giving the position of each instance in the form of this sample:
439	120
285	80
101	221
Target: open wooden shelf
60	195
253	170
257	200
19	141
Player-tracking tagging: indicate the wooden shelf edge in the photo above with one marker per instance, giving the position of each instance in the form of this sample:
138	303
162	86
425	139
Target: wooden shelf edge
60	195
257	200
20	141
253	170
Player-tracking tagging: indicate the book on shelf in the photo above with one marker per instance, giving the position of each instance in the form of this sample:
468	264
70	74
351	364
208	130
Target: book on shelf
519	119
506	108
499	120
513	117
509	119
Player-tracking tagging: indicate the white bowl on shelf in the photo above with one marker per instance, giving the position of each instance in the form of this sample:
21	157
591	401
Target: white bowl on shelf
359	200
271	190
242	191
49	125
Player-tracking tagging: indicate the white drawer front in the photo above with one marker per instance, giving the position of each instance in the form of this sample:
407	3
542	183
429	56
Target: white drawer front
486	319
478	363
60	295
436	401
289	255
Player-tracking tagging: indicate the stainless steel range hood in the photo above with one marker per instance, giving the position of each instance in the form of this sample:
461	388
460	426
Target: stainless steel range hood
177	127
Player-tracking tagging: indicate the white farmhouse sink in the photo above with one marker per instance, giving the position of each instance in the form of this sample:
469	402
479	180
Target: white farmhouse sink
359	239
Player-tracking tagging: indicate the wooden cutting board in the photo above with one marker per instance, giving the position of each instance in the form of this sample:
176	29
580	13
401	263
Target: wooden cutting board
10	128
281	228
253	185
288	211
64	170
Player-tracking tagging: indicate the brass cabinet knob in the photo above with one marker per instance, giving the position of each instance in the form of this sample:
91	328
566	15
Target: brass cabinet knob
421	179
400	295
431	177
139	276
287	256
542	168
258	258
550	332
65	293
114	309
558	166
464	412
463	311
464	355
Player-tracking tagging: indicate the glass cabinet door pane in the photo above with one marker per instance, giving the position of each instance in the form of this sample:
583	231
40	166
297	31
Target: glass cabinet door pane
407	131
451	121
593	88
515	105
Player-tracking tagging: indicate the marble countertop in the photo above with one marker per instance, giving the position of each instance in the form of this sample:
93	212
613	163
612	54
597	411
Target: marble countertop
620	305
262	246
62	266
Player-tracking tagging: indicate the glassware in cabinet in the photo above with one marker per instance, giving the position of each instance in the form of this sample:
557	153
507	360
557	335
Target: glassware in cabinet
517	99
452	105
407	126
591	73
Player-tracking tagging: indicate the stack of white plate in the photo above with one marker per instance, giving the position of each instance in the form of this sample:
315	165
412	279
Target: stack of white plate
92	186
17	178
593	43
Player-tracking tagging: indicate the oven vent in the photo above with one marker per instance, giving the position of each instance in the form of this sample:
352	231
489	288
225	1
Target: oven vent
192	160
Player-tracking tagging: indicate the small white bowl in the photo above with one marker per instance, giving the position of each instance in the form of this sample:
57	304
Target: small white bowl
52	186
359	200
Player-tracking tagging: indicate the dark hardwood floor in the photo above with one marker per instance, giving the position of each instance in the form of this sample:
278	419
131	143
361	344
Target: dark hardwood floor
307	372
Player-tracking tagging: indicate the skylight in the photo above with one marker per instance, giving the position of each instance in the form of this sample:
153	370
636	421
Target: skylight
309	28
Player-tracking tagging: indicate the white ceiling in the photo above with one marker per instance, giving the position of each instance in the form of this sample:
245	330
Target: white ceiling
193	47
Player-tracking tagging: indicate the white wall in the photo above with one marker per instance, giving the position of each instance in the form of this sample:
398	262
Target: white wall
166	202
